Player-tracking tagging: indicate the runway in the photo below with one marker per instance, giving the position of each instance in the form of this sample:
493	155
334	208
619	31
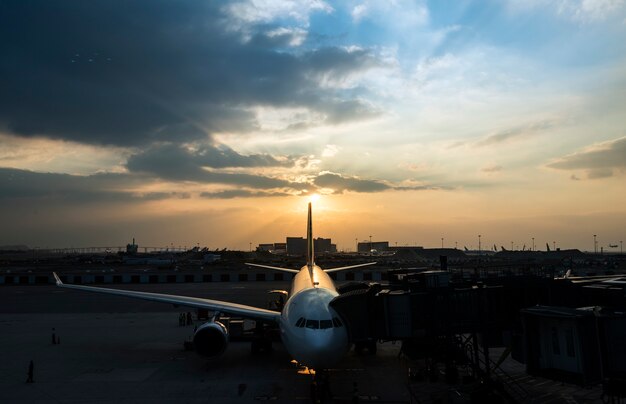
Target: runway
123	350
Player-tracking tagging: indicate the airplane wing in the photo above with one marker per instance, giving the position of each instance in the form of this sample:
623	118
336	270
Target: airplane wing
349	267
293	271
195	302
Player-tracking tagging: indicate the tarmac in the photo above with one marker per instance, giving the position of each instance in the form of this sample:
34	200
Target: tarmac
115	349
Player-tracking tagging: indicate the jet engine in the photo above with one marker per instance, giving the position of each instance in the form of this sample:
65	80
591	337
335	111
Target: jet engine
210	339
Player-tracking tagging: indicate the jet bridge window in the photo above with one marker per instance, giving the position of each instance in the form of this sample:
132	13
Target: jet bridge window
300	322
314	324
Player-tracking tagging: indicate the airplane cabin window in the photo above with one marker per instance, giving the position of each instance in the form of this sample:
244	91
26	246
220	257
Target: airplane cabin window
314	324
326	324
300	322
337	322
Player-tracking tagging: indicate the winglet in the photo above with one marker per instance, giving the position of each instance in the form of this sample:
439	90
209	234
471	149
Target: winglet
58	280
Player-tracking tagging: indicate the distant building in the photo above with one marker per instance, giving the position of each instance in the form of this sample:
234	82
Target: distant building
208	258
274	248
324	245
406	247
366	246
132	248
297	245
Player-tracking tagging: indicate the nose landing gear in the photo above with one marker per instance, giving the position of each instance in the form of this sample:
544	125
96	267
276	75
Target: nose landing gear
320	387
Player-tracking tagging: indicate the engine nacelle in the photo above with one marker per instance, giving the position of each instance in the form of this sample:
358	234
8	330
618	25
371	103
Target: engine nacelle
210	339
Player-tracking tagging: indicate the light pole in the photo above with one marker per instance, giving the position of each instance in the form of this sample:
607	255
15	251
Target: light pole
356	245
479	245
554	245
370	244
456	245
251	246
533	243
511	246
442	242
595	245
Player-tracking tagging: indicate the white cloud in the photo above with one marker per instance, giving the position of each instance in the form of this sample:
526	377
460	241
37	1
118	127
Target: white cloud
330	150
296	35
582	11
265	11
46	155
431	68
401	13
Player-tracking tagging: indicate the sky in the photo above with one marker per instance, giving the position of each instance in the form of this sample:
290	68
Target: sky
213	123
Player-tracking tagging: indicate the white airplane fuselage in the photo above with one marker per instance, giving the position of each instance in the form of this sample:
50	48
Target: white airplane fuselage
310	329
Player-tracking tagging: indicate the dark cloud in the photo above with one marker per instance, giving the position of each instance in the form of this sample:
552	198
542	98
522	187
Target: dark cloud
155	196
514	133
599	173
23	184
338	183
241	193
178	163
350	110
153	70
423	188
599	162
48	189
337	63
222	156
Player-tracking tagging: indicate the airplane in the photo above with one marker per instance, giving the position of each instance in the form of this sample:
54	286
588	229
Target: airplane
312	332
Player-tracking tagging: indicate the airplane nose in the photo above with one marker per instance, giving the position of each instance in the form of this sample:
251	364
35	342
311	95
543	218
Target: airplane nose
323	349
319	340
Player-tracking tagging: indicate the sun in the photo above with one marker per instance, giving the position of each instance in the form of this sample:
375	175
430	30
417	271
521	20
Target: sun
314	198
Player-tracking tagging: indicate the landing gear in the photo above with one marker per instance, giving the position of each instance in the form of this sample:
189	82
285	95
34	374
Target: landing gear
320	387
261	339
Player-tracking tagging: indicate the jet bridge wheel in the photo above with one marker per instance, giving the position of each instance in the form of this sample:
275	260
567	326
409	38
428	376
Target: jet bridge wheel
369	345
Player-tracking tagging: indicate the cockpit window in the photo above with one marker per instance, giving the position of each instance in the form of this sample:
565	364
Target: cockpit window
318	324
315	324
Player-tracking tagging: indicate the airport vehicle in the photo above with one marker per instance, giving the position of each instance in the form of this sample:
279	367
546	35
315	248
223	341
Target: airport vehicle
313	333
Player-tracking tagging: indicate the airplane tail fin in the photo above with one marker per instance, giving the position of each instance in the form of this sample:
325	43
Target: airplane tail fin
310	254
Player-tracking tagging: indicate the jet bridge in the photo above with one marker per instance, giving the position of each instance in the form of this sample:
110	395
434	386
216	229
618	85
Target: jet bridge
425	306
